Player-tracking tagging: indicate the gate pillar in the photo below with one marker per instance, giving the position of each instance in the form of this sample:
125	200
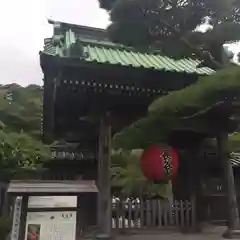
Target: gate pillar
104	177
232	207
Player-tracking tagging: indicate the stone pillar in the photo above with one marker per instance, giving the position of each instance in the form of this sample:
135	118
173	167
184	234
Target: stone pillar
233	214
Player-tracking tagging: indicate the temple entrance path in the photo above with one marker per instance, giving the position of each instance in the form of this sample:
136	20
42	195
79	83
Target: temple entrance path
212	233
171	236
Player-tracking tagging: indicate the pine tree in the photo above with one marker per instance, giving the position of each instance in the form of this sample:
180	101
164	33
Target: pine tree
172	26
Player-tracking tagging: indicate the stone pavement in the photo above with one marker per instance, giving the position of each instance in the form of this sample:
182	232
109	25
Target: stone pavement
170	236
212	233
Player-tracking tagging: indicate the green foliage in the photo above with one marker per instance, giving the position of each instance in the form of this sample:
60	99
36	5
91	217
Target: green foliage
127	175
20	125
235	142
144	132
19	151
171	26
21	108
165	112
206	92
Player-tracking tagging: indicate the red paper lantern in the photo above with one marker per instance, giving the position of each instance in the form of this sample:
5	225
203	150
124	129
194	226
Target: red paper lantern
159	163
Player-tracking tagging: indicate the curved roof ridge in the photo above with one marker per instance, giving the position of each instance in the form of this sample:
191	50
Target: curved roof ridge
72	25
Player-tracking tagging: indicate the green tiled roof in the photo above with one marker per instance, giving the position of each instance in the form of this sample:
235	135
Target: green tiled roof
235	159
106	52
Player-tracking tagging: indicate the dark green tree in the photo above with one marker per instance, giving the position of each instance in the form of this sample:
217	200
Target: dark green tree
19	153
20	130
171	26
163	116
21	108
168	110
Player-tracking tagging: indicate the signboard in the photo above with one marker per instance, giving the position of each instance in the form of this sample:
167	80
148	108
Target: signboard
51	226
52	201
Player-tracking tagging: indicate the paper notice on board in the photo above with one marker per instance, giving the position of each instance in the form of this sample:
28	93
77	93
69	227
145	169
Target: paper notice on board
51	226
58	231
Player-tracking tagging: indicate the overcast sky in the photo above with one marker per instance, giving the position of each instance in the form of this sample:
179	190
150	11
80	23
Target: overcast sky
24	27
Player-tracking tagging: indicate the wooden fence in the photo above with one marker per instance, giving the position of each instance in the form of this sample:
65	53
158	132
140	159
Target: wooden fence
153	214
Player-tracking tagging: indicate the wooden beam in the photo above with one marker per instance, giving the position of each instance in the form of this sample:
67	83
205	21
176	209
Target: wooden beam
2	198
233	214
195	180
49	95
6	204
104	177
23	218
79	225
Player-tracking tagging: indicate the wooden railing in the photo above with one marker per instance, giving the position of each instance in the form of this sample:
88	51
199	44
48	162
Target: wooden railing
152	214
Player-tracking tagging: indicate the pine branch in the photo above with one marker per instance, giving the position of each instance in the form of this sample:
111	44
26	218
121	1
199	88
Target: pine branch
202	55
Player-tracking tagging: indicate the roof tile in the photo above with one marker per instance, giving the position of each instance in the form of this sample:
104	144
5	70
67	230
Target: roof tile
102	52
235	159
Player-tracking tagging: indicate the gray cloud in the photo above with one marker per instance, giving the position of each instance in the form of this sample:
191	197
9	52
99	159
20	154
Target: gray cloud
25	26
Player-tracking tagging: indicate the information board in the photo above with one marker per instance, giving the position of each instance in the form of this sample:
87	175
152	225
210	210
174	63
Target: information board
51	226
